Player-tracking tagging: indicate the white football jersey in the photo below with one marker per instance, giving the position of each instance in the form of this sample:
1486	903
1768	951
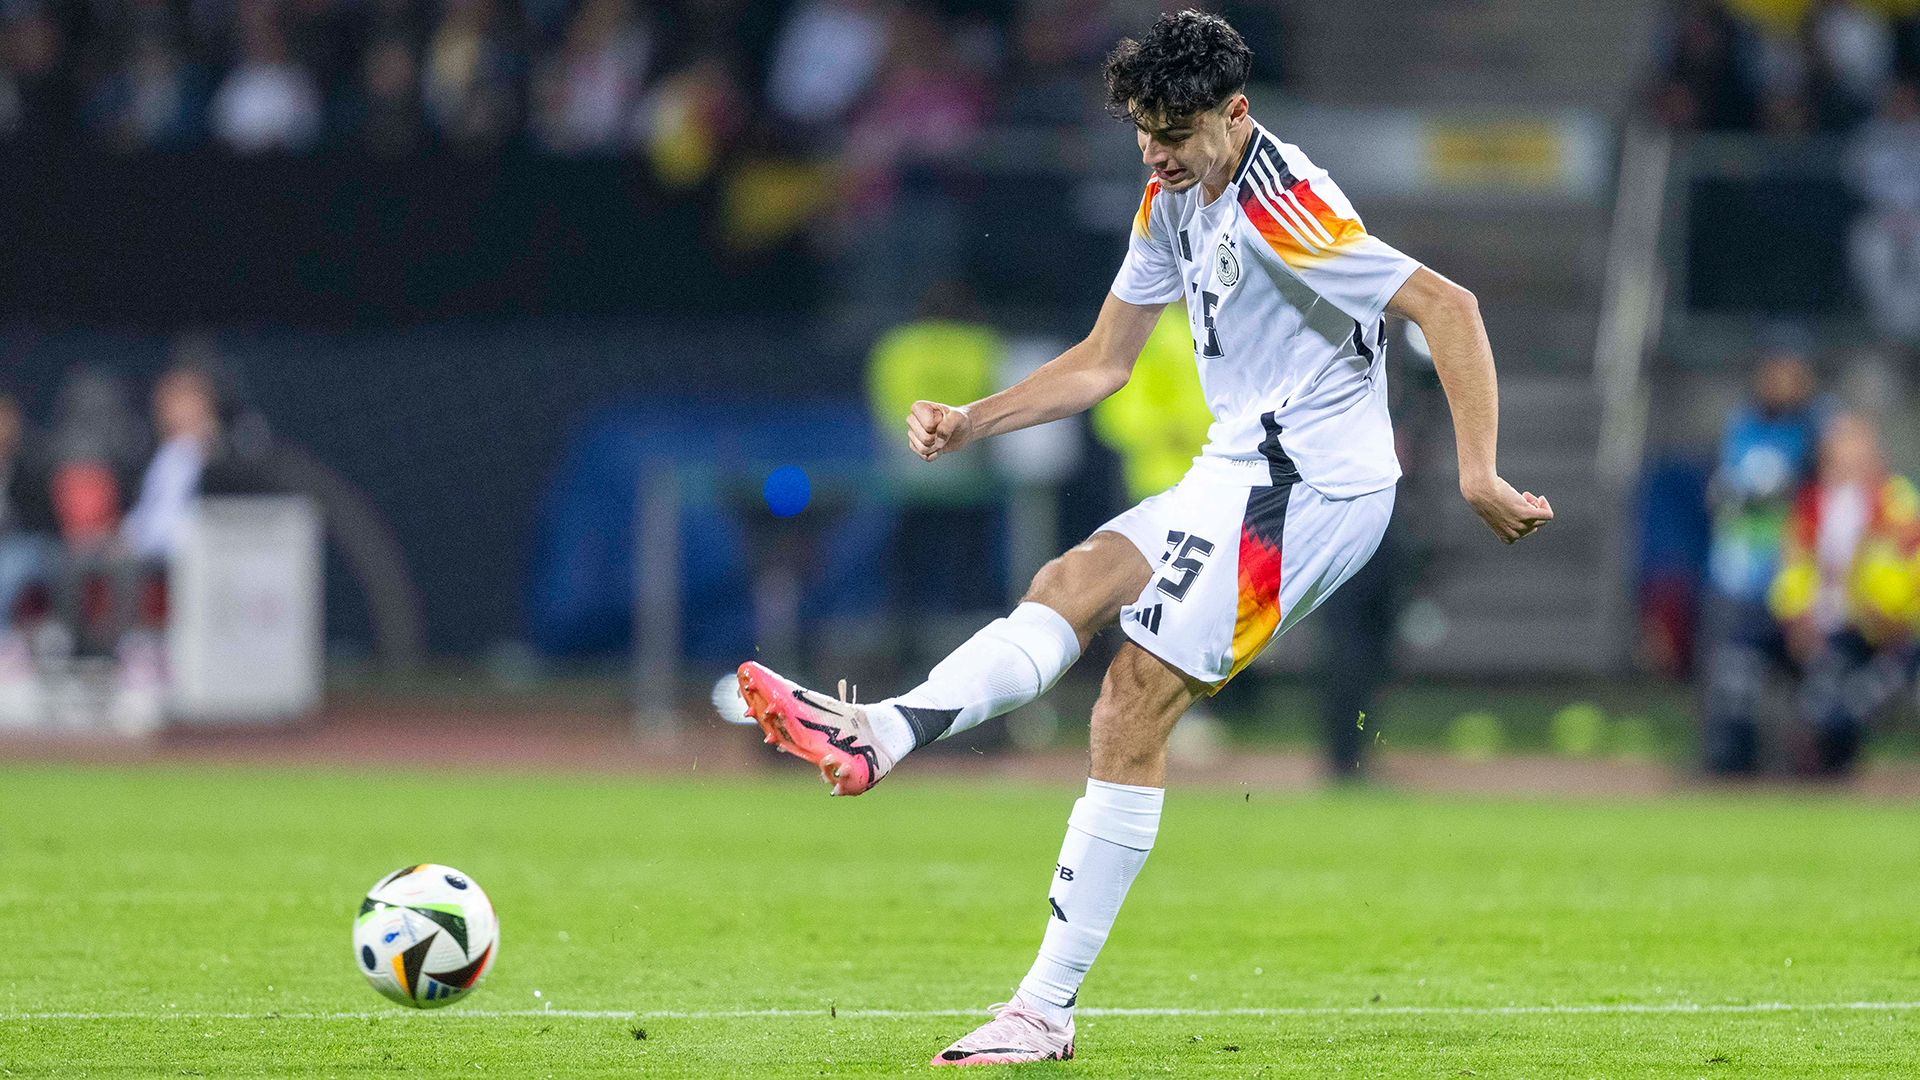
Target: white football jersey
1285	291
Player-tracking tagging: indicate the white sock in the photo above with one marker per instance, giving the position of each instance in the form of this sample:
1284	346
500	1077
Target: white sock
1008	663
1108	837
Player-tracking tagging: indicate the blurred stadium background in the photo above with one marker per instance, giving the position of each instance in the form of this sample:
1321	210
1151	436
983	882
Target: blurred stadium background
475	327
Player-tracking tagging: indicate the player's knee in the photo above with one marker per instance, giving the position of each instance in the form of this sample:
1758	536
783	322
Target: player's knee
1049	584
1090	583
1067	588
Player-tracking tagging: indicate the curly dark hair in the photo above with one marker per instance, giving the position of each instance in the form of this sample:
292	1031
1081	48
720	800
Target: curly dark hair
1189	61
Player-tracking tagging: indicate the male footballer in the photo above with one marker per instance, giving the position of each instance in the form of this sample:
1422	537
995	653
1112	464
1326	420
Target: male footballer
1287	295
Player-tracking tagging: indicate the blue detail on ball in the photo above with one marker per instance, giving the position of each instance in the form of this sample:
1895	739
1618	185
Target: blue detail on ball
456	881
787	491
366	956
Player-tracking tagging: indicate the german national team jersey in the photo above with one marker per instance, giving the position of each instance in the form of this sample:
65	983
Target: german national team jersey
1285	291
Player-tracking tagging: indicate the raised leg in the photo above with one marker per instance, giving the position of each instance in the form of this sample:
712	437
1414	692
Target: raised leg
1013	660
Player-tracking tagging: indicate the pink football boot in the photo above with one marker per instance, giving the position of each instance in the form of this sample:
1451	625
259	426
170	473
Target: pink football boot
1015	1034
832	734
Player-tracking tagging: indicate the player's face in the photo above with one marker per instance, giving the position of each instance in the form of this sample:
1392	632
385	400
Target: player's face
1186	150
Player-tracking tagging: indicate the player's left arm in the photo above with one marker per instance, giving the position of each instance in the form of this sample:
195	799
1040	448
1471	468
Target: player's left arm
1449	316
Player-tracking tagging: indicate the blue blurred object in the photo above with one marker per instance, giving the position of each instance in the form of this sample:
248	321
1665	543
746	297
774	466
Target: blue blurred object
580	592
787	491
1764	460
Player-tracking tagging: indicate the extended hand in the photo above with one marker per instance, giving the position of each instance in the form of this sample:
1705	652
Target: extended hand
934	429
1509	513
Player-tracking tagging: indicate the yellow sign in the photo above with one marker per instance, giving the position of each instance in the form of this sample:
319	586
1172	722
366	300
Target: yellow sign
1513	154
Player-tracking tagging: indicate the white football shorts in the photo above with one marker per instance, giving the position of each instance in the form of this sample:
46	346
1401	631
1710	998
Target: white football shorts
1236	565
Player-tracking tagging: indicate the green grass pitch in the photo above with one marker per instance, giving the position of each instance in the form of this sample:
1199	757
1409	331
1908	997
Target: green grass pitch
182	922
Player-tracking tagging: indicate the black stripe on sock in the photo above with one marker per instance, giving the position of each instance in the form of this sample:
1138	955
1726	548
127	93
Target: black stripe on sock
927	724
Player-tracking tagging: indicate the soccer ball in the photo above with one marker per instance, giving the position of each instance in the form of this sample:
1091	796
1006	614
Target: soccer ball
425	935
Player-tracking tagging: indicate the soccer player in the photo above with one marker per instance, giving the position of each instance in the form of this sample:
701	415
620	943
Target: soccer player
1286	293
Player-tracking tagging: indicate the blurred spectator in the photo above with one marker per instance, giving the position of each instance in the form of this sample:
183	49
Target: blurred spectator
389	121
1056	78
38	102
97	447
1845	592
825	57
186	418
208	446
269	101
1855	43
691	120
28	548
925	110
469	83
1810	78
946	549
587	96
150	101
1766	456
1706	63
905	213
1883	169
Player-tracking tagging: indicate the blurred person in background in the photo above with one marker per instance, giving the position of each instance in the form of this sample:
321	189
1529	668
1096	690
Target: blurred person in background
1825	77
470	76
389	122
186	419
269	101
586	96
97	446
905	217
1056	45
1856	46
825	57
151	101
946	543
1846	593
1766	456
39	101
29	536
1707	77
692	119
1883	170
209	444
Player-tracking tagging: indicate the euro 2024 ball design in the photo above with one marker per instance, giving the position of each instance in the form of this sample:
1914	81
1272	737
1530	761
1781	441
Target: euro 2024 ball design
425	935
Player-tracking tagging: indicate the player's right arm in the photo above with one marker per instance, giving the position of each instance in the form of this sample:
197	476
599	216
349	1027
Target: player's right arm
1072	382
1088	373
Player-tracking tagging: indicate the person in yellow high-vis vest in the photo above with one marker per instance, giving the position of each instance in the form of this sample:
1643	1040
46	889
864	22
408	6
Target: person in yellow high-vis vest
1848	593
1158	421
946	545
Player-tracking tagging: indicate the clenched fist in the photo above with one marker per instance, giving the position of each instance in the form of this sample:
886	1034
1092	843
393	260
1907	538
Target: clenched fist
1510	514
934	429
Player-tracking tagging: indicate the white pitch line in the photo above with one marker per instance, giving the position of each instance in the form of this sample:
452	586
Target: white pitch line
910	1014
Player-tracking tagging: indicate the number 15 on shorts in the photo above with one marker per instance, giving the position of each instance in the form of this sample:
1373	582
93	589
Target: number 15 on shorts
1188	557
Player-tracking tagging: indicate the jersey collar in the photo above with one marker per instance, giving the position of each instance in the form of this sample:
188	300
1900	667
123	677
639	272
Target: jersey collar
1247	155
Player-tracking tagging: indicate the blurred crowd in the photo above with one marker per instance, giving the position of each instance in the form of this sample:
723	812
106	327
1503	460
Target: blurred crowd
1785	67
1846	69
93	502
681	81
